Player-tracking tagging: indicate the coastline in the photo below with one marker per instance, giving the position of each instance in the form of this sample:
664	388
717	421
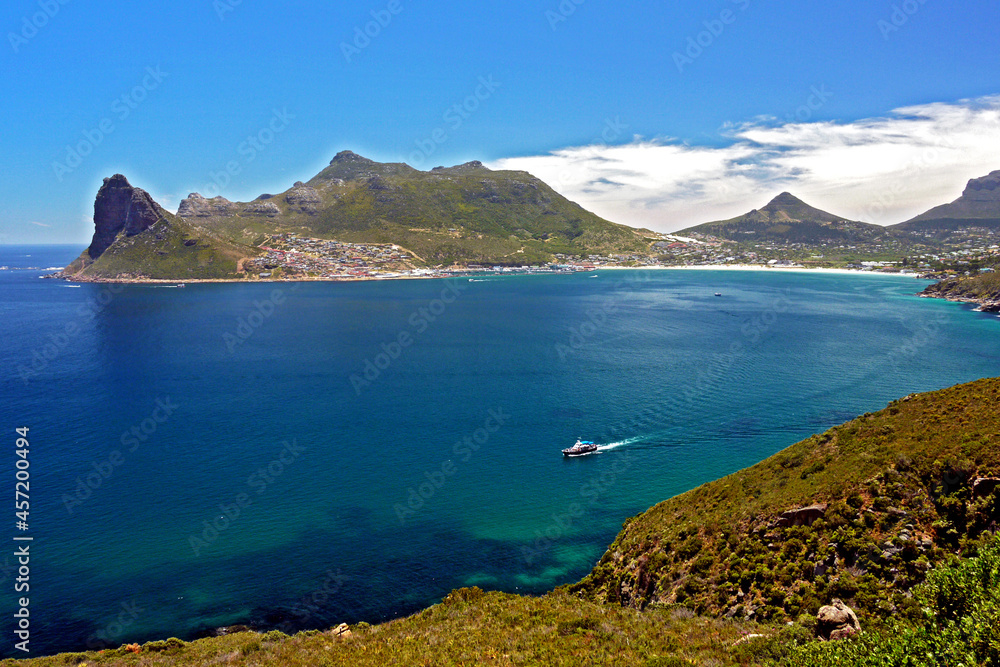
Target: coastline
463	273
761	267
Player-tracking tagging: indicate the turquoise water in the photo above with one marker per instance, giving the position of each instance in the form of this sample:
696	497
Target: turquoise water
369	498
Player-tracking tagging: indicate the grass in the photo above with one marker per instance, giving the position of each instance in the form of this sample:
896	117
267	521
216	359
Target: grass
469	628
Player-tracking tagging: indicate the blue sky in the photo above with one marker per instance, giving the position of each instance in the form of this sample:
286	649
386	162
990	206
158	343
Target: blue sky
183	85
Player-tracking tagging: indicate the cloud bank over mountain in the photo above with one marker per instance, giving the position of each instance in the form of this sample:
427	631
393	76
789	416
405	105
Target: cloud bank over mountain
882	170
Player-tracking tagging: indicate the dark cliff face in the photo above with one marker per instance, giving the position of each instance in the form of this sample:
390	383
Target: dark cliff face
120	207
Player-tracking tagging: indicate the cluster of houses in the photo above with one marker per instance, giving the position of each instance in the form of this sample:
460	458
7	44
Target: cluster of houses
321	258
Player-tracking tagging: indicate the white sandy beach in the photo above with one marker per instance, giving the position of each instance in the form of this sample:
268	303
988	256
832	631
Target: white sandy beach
759	267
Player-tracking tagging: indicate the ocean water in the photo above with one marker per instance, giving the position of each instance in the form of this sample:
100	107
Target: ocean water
299	456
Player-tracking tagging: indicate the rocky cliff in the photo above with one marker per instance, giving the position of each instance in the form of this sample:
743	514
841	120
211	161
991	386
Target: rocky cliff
978	206
119	208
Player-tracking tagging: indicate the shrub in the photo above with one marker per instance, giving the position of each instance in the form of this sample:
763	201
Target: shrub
274	636
464	595
566	628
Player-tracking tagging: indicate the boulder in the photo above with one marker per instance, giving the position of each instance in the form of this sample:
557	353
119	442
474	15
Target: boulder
342	631
984	486
836	621
804	516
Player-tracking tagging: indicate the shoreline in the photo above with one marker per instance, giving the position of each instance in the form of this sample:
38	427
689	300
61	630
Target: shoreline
465	273
761	267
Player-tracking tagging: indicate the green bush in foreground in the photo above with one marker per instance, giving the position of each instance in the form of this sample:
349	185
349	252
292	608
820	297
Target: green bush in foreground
961	628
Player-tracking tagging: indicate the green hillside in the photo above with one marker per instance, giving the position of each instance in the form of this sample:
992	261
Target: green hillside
898	490
463	214
171	249
787	219
982	289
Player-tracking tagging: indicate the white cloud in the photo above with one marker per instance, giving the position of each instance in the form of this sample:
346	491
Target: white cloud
883	170
40	224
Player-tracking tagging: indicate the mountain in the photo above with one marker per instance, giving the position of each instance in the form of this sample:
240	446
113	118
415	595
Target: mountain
787	219
467	213
457	215
979	206
134	237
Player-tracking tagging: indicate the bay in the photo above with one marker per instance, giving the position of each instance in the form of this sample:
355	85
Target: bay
304	455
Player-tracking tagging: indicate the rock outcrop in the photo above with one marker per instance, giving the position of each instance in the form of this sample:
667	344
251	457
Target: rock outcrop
196	206
266	208
804	516
979	205
303	199
121	208
836	621
984	486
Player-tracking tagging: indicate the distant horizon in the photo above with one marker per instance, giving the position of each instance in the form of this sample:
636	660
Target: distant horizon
649	115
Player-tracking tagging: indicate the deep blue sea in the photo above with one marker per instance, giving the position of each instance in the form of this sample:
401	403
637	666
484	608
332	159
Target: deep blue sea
300	456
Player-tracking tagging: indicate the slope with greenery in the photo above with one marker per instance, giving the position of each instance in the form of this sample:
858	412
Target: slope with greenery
787	219
898	489
982	289
171	249
463	214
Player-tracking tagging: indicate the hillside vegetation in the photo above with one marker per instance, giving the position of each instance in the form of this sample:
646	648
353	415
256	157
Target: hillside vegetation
982	289
463	214
897	486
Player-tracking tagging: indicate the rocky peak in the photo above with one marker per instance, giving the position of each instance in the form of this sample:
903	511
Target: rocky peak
986	188
348	156
196	206
120	207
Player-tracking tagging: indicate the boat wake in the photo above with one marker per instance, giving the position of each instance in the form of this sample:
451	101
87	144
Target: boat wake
620	443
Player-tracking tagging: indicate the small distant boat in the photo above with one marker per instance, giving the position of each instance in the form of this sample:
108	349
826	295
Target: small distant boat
581	448
180	285
718	294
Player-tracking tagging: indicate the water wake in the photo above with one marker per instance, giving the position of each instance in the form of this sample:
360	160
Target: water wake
620	443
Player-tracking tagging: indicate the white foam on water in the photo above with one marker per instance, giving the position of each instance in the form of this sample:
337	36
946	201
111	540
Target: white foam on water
620	443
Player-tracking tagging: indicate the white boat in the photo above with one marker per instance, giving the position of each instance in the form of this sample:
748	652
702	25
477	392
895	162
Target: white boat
581	448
